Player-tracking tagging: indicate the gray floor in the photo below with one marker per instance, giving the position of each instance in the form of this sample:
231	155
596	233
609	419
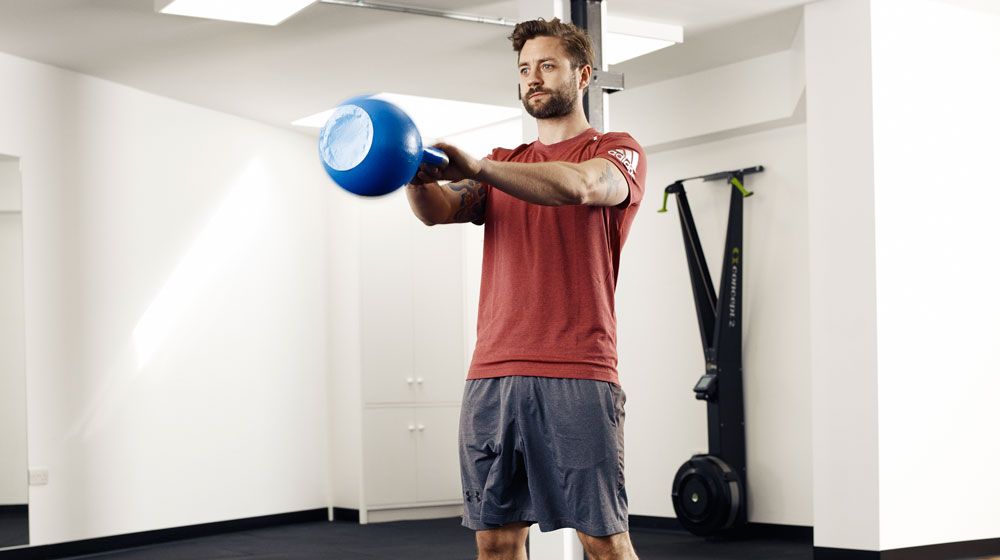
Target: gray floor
439	539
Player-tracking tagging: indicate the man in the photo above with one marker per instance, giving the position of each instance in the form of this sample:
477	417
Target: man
542	421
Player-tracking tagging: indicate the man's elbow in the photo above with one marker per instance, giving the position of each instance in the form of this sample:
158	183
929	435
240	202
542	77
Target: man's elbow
572	198
586	193
427	220
576	194
598	193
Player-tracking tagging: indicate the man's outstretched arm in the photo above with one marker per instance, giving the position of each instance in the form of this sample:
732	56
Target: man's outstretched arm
596	182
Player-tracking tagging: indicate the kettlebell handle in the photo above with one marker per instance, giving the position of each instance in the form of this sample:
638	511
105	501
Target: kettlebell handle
434	157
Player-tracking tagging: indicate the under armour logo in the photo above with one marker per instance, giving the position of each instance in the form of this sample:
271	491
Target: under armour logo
470	494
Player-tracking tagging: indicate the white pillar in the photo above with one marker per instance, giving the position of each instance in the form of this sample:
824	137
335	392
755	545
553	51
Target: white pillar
901	139
842	274
533	9
935	88
562	544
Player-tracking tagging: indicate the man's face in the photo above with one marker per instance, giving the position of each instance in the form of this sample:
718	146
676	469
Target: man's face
549	84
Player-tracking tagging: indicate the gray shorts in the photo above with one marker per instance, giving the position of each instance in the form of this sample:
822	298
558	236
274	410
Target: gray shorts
543	450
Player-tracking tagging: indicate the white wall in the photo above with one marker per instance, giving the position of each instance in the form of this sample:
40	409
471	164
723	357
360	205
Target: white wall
175	305
344	448
660	349
10	184
13	435
936	117
693	125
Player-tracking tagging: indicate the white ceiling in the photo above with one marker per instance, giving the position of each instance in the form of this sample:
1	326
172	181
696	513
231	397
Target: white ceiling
327	53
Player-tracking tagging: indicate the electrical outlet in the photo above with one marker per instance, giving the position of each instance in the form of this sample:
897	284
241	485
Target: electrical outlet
38	477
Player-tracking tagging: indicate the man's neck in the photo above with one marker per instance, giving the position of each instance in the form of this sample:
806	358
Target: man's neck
551	131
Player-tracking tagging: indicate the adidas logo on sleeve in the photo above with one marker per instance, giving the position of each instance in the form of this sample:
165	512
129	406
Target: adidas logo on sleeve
629	158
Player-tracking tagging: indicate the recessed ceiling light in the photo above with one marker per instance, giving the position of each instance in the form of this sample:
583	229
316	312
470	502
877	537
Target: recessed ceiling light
434	117
261	12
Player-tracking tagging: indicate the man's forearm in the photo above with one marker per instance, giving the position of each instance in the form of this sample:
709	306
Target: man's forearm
553	183
428	202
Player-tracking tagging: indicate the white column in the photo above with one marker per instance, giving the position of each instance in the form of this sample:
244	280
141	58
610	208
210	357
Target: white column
842	274
901	161
935	89
533	9
562	544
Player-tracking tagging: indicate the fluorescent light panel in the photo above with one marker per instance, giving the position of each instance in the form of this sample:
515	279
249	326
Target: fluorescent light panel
619	47
261	12
434	117
627	38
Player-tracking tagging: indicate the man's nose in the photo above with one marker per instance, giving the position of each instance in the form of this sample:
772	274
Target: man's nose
534	78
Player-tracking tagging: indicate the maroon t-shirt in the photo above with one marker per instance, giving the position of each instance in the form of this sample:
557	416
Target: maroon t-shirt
547	301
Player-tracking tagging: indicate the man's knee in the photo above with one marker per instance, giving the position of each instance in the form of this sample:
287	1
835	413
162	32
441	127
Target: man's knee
611	547
505	541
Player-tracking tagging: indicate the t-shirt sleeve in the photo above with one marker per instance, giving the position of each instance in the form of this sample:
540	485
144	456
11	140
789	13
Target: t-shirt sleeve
622	150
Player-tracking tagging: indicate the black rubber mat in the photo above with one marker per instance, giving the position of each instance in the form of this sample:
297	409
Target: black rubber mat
13	528
437	539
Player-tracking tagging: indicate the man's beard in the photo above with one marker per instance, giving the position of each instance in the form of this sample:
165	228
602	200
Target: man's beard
559	103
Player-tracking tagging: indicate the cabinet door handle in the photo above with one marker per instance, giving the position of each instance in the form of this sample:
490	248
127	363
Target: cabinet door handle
420	380
420	427
409	380
412	427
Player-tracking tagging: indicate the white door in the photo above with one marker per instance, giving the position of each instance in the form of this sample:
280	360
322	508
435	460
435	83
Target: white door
387	300
390	442
438	331
438	476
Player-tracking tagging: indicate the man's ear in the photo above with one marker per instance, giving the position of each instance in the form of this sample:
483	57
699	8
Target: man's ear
585	73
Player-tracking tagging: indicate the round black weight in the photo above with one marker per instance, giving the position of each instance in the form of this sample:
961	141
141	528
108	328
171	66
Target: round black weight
707	495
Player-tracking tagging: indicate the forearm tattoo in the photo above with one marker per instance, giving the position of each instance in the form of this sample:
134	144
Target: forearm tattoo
611	178
473	203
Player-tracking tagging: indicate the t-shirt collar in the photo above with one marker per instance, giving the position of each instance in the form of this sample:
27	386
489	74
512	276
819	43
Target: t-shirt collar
537	144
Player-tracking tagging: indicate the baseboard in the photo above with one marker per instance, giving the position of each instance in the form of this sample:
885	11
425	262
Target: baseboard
145	538
943	551
822	553
414	513
346	514
18	510
750	530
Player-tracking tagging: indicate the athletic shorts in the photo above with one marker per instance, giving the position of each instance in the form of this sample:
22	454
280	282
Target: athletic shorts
543	450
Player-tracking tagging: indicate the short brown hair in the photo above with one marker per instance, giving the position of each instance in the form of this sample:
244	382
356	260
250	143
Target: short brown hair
575	41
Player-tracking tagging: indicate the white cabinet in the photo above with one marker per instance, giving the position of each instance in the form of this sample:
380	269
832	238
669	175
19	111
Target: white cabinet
386	303
413	364
390	445
411	455
412	332
438	333
438	476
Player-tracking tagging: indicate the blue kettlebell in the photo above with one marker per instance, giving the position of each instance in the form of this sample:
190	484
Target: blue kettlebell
371	147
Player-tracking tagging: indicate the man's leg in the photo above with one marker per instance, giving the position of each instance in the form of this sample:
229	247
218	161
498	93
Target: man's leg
504	543
611	547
